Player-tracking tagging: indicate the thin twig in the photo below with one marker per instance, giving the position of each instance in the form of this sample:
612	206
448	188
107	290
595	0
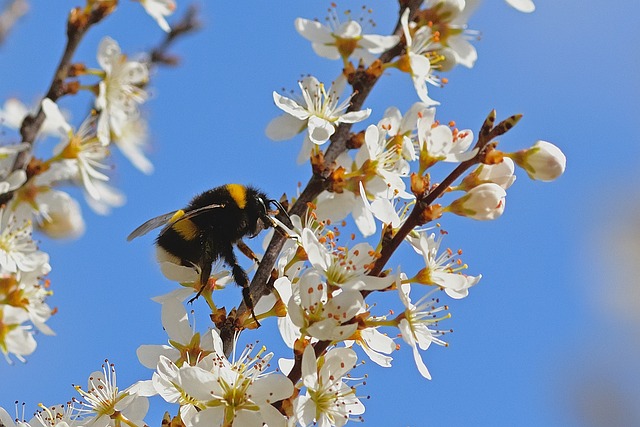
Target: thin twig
187	24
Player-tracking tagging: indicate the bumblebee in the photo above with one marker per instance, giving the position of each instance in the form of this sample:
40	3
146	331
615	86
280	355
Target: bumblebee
208	228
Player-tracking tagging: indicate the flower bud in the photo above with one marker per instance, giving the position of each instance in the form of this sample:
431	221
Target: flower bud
62	218
544	161
501	173
484	202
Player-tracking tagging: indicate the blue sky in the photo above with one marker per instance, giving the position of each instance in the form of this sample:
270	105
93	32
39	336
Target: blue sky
539	340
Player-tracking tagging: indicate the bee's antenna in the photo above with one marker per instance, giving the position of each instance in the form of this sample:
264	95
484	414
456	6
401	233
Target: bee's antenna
281	209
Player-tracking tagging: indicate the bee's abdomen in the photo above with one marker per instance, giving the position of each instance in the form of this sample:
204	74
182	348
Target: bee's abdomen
175	242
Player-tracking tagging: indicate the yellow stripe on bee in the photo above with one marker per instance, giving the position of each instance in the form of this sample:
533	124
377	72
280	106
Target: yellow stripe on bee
176	216
238	193
185	228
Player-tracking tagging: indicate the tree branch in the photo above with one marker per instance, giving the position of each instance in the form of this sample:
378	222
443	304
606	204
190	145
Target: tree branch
362	85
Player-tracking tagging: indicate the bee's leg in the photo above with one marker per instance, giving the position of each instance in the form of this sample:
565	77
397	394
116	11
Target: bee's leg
205	272
246	250
241	279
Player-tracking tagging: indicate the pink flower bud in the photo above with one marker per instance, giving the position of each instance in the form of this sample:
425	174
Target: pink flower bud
484	202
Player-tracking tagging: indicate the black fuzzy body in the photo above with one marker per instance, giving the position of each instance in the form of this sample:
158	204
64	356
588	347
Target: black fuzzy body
202	239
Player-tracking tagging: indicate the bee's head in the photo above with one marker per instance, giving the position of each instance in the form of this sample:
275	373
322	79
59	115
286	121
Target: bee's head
264	212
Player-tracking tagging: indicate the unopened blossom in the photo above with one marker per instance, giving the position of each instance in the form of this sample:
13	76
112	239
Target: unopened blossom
79	155
345	268
18	250
104	405
501	173
544	161
344	40
16	338
526	6
321	315
415	325
328	400
318	111
158	9
62	218
186	346
56	213
484	202
120	91
441	267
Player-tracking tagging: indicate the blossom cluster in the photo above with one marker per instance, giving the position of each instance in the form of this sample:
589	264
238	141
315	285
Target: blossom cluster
321	282
30	178
383	179
102	403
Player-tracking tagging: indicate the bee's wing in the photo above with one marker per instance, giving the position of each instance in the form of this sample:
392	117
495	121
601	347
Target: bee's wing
161	220
196	212
152	224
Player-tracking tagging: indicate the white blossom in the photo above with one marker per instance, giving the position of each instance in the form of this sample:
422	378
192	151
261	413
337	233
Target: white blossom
440	143
29	292
120	91
186	346
104	405
18	251
344	40
15	338
345	268
240	392
526	6
318	111
415	63
441	269
453	36
14	112
158	9
78	156
375	344
319	314
11	180
61	415
132	141
415	325
328	400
